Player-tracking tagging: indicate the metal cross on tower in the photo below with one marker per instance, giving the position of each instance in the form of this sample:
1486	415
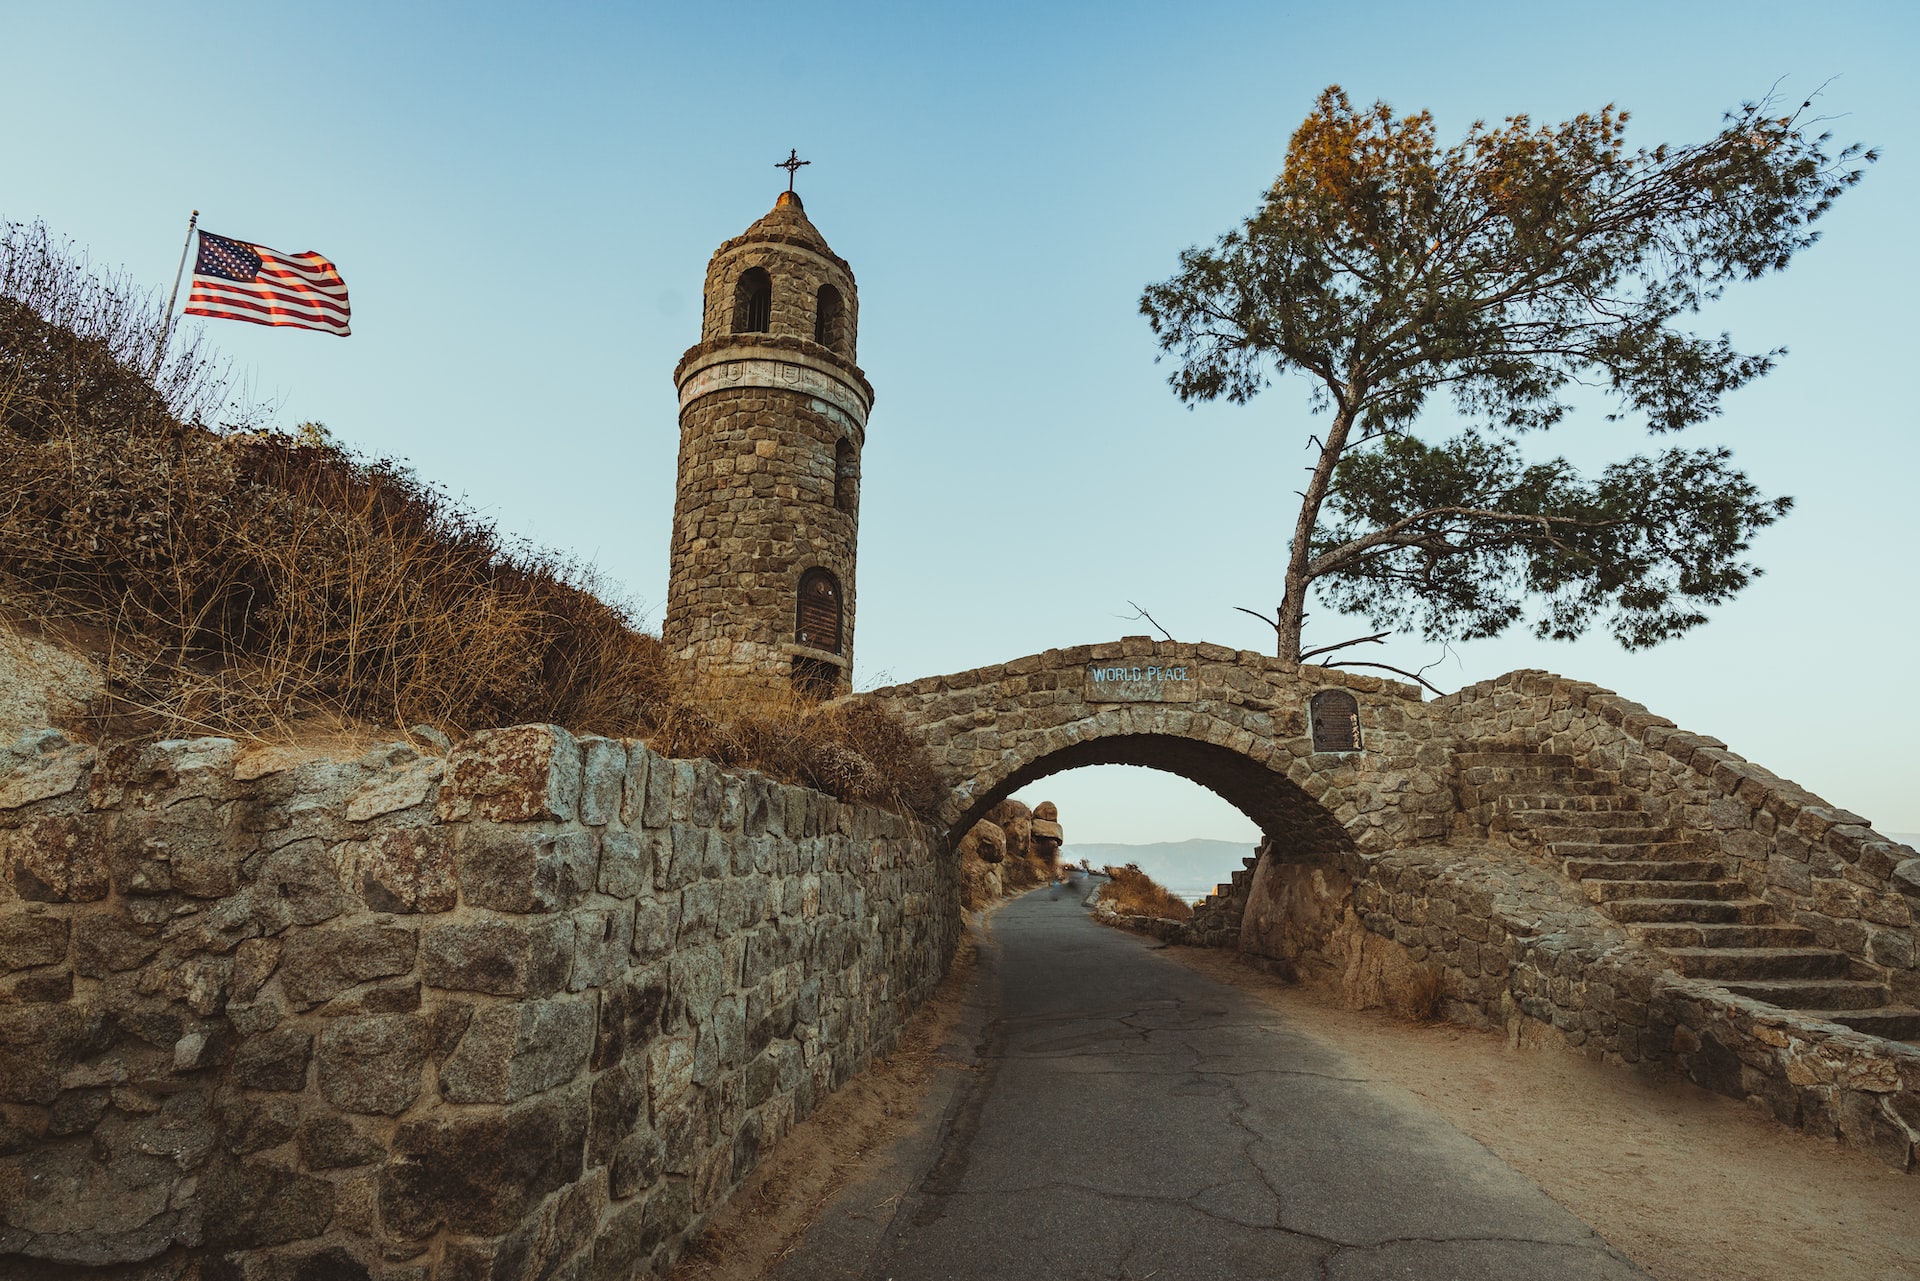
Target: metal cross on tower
792	165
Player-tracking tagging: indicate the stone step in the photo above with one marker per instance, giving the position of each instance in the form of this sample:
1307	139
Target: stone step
1526	775
1515	802
1513	761
1545	760
1760	962
1895	1022
1630	851
1673	934
1638	837
1604	869
1608	820
1608	891
1542	788
1750	911
1811	994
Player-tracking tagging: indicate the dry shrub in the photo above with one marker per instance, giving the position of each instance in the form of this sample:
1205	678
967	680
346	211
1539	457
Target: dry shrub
1419	1000
243	578
853	750
1027	870
1131	892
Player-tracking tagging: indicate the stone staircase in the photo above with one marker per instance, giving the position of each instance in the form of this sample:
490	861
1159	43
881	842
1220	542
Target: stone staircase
1670	892
1216	918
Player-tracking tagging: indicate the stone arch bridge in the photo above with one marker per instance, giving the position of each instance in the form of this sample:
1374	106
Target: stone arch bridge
1232	721
1543	853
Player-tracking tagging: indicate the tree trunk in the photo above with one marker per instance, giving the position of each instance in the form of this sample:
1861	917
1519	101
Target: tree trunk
1293	604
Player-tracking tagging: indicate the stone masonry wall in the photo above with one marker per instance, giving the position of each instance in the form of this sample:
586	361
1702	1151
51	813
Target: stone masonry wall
1823	867
533	1009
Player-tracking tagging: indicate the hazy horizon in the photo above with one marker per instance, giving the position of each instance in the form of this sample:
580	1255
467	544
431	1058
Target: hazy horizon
1190	867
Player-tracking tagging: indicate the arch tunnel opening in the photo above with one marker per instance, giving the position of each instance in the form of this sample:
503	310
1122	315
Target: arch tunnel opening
1185	838
1285	814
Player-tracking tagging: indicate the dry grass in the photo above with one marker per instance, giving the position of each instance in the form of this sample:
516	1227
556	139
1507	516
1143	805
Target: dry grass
1421	1000
242	579
1131	892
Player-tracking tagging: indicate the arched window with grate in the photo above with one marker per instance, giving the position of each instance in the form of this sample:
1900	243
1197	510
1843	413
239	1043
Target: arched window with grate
830	319
846	476
753	302
818	616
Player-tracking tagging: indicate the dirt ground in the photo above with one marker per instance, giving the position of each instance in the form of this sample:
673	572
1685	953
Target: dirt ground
1688	1184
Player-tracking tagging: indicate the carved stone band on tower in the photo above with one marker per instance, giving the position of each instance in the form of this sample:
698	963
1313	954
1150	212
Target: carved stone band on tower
773	418
835	394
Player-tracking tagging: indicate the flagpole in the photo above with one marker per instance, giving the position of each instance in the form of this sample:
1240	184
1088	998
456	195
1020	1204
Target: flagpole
166	329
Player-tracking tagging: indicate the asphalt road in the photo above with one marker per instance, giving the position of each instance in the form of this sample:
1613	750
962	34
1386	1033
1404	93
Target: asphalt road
1126	1118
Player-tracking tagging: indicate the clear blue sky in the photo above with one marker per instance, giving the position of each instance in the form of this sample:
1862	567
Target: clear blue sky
523	202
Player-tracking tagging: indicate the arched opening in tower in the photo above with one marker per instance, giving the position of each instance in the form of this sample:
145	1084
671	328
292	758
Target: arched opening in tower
753	302
830	320
846	476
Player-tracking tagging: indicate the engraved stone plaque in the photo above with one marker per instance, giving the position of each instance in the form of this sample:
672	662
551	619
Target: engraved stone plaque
1336	721
1133	681
787	375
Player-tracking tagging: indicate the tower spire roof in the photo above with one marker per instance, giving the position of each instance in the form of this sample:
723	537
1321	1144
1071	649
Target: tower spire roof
788	221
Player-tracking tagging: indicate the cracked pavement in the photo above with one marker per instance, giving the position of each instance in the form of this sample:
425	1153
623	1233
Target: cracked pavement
1125	1118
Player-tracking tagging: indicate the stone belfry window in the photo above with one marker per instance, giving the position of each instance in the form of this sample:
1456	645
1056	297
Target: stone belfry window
846	475
830	319
753	302
818	616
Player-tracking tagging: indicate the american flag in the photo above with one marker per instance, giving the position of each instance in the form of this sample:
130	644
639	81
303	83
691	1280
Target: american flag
234	280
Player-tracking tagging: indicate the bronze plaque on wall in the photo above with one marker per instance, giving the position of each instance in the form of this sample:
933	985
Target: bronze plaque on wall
1336	721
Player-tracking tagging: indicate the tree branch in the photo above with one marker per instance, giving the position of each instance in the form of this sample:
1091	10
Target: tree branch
1351	662
1141	613
1392	535
1378	638
1262	617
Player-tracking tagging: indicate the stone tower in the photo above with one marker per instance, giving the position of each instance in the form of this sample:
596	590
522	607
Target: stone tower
773	416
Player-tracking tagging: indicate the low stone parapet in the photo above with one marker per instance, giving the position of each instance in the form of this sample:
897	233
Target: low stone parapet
1160	927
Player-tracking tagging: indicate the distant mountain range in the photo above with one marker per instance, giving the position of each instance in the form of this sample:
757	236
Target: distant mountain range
1189	868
